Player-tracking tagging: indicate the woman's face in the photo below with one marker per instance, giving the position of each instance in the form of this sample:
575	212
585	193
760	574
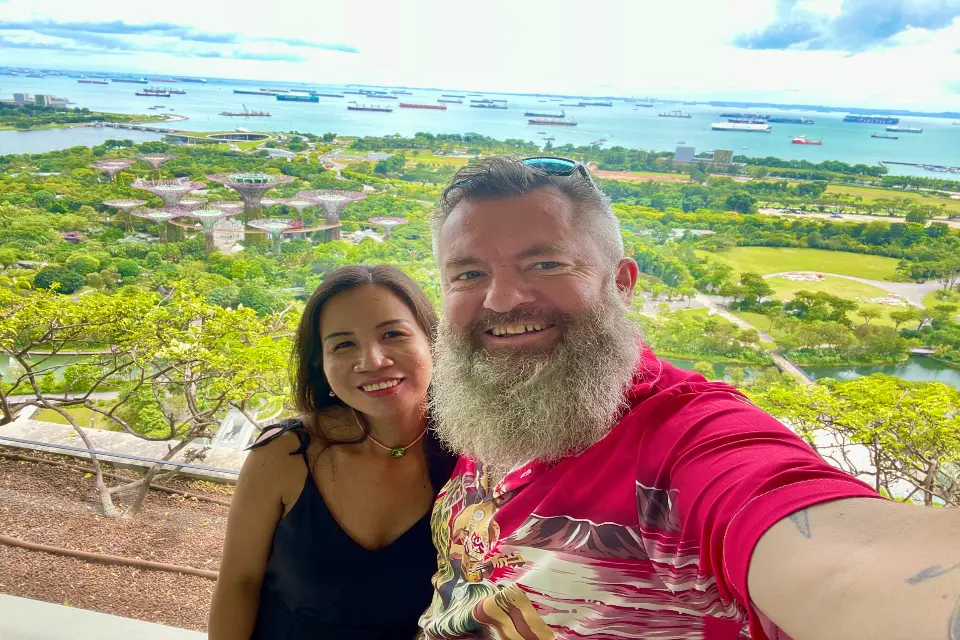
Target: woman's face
375	355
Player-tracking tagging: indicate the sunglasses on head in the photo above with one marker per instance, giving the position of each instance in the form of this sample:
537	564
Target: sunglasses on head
557	166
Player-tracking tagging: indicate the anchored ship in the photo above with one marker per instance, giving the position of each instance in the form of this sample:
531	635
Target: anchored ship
291	98
871	119
246	113
130	80
905	129
805	140
537	114
553	122
790	120
410	105
675	114
363	107
884	136
740	126
448	101
93	82
488	105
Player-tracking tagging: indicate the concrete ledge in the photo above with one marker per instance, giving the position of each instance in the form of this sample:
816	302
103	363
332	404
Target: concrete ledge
50	432
23	619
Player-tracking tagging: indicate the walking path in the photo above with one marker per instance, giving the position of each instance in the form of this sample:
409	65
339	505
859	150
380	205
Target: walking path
911	291
24	619
781	361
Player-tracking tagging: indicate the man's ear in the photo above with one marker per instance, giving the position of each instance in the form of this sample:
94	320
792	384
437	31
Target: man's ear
627	274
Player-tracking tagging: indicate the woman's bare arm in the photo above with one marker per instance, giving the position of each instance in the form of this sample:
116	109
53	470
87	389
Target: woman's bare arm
255	510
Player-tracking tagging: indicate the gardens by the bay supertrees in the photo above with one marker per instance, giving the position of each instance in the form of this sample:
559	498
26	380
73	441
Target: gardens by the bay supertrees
333	202
251	187
112	167
170	191
161	217
274	228
208	218
155	160
388	223
125	205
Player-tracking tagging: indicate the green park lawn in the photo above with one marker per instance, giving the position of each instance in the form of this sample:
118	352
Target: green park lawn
873	194
757	320
80	414
425	157
850	289
764	260
931	299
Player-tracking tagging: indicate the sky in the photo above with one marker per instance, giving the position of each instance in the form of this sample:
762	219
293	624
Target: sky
871	53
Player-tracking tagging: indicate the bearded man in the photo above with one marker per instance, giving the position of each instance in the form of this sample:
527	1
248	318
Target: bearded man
604	493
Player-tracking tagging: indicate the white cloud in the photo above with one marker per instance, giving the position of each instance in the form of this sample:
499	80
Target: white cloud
680	48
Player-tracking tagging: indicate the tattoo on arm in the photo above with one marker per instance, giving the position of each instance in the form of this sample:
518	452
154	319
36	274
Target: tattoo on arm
931	572
802	520
953	627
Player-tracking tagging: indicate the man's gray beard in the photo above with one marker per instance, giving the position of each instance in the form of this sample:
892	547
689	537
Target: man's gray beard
507	408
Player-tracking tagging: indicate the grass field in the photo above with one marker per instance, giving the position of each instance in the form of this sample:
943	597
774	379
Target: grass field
413	157
931	300
758	320
850	289
642	176
764	260
873	194
80	414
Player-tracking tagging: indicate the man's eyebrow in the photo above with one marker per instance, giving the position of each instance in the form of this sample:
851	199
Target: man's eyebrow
542	249
457	263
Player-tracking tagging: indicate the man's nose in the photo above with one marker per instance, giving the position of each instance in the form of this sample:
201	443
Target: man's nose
506	293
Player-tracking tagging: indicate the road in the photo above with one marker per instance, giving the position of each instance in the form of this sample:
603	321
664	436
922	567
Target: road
911	291
849	217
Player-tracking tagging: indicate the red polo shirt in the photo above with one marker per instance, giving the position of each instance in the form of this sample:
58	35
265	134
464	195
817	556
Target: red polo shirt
646	534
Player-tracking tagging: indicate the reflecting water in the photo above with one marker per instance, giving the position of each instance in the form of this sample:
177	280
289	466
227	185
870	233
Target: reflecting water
915	369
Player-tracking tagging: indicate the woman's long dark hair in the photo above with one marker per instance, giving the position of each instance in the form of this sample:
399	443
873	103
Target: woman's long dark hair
311	389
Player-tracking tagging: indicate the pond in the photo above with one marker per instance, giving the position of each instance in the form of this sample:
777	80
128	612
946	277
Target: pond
56	363
45	140
719	369
915	369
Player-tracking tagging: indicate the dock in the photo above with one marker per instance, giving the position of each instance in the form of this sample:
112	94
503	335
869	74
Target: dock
934	168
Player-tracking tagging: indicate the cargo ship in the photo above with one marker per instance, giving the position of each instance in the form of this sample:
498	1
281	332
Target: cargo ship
739	126
276	90
805	140
262	92
363	107
452	95
538	114
571	104
404	93
448	101
291	98
884	136
326	95
645	105
488	105
742	121
596	104
553	122
674	114
745	116
410	105
93	82
199	80
871	119
130	80
790	120
379	94
246	113
896	129
162	80
153	93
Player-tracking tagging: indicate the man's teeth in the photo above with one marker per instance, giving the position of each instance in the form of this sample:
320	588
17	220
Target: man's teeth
516	328
380	385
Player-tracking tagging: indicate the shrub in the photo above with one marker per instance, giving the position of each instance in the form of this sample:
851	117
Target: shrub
70	281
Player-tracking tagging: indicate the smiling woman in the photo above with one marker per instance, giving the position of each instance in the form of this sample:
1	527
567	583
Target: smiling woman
333	504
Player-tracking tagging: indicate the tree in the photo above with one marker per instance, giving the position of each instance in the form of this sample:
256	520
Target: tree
705	369
902	316
69	281
44	198
869	314
128	268
187	360
82	263
741	202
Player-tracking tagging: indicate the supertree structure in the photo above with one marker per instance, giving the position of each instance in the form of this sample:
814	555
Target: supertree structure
112	167
270	202
170	191
232	208
208	218
161	217
251	187
299	205
126	206
333	202
274	227
388	223
191	203
156	159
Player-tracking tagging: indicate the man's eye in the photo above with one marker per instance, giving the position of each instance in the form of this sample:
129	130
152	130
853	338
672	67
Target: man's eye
546	265
468	275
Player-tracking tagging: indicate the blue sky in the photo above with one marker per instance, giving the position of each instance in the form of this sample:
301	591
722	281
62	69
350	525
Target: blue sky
884	53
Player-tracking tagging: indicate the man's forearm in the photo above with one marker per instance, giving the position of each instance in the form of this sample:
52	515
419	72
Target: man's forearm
861	568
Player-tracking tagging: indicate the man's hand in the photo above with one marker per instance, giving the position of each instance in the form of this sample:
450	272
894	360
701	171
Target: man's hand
861	568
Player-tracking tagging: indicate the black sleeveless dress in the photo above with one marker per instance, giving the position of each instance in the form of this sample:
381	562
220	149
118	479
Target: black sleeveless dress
320	584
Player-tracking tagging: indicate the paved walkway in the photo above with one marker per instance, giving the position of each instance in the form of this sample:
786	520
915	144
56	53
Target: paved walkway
123	443
911	291
23	619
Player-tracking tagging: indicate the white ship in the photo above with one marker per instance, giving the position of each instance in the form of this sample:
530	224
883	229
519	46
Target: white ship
741	126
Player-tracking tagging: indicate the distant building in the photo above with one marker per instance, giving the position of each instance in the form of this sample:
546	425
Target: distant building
684	155
722	157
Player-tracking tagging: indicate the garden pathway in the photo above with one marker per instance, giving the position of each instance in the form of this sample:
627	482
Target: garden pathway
911	291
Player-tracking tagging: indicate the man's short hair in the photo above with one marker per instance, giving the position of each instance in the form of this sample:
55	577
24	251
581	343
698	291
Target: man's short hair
507	176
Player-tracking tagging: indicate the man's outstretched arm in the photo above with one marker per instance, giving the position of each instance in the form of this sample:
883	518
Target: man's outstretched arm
861	568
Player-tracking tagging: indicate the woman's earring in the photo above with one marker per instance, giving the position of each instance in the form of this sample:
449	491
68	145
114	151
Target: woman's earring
333	395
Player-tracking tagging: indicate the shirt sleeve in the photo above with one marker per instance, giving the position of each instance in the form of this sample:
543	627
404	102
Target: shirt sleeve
733	472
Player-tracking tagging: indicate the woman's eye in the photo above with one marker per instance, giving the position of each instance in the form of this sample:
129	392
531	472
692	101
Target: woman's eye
468	275
392	334
344	344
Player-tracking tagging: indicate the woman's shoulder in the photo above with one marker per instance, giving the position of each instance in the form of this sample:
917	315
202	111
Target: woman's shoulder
288	436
